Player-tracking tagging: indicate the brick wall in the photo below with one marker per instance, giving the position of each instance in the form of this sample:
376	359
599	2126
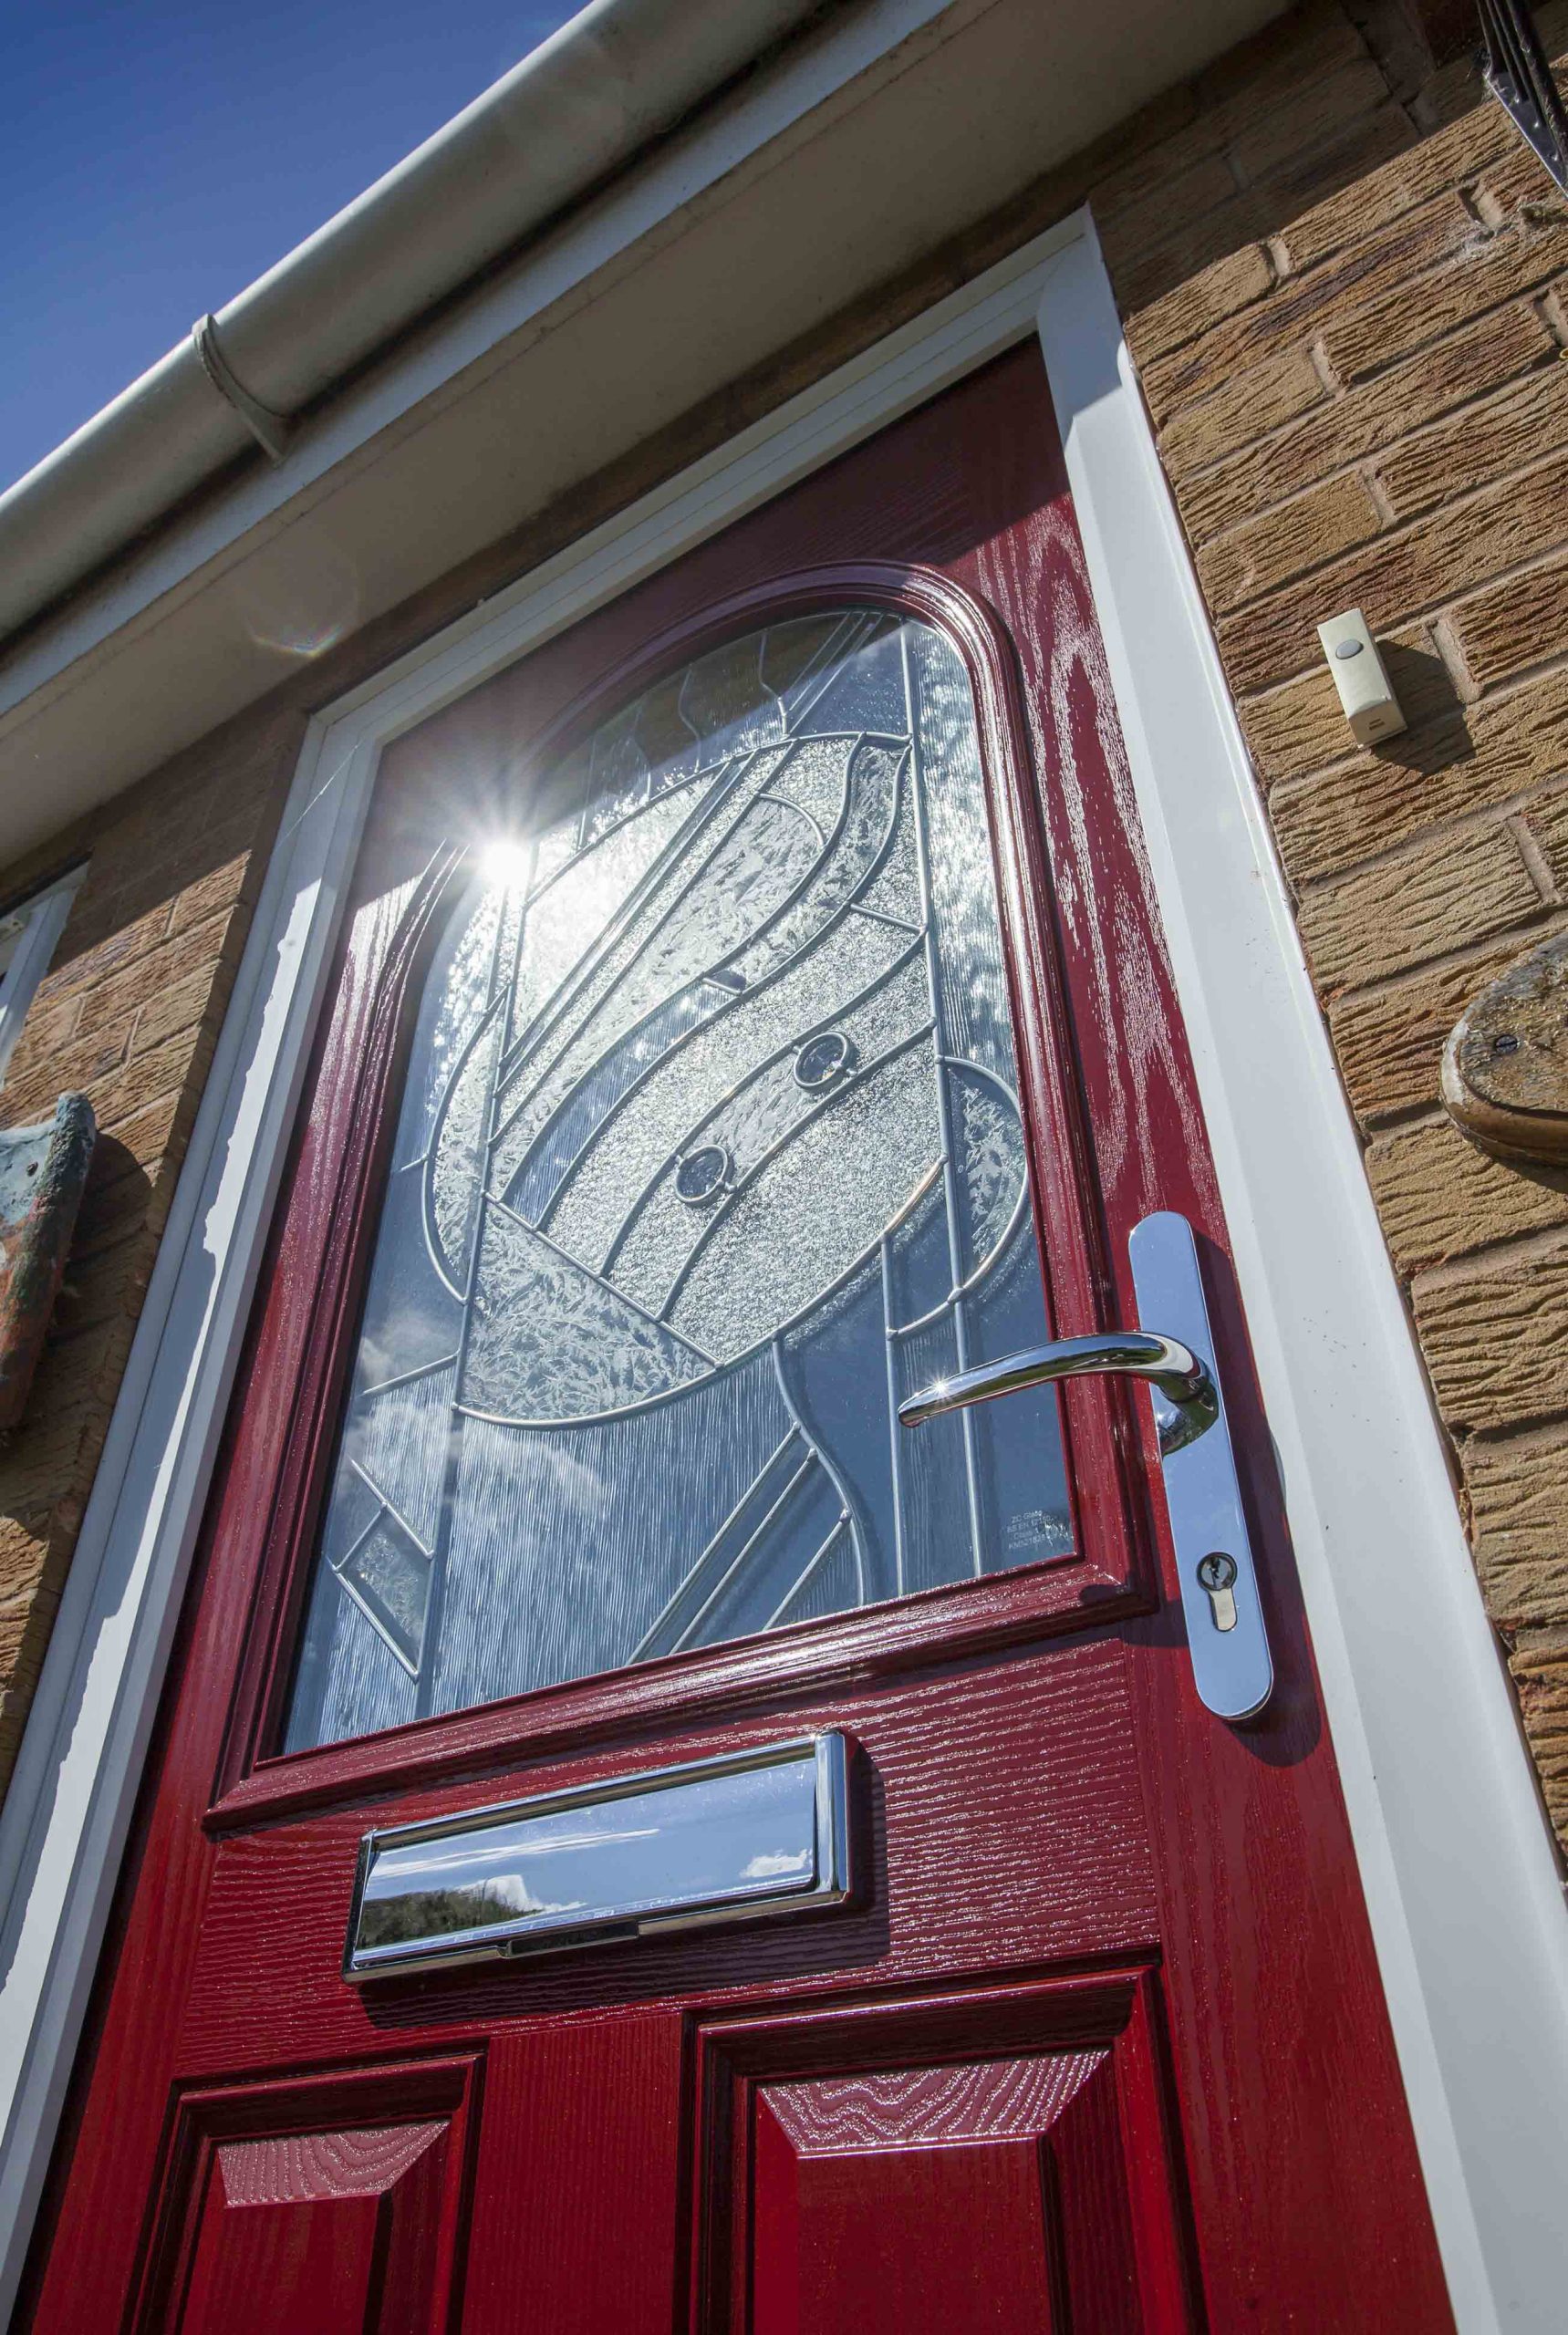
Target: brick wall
128	1015
1344	278
1345	282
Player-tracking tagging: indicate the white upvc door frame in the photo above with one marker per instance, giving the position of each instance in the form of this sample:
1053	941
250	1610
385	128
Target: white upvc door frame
1460	1882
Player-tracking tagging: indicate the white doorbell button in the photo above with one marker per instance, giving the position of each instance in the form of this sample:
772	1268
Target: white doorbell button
1365	690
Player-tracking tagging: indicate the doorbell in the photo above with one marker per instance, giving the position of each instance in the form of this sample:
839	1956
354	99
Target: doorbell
1366	692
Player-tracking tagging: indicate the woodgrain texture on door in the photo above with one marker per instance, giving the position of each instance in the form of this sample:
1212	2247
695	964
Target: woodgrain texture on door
1102	2045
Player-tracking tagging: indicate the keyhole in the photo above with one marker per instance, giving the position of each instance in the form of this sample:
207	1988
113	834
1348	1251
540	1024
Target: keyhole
1217	1575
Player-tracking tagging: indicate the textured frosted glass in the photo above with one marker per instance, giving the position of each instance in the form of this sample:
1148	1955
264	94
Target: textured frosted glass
570	905
849	851
803	1222
990	1144
757	1128
710	1153
644	944
458	1163
674	1103
552	1341
393	1577
395	1443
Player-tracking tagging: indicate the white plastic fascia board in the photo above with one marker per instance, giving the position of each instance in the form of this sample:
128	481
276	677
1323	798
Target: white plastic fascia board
486	329
1460	1882
878	82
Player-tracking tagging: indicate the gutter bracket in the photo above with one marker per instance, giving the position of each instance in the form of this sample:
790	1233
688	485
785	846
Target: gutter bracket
272	431
1514	68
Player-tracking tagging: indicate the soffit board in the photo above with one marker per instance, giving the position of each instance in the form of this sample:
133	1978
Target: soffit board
799	199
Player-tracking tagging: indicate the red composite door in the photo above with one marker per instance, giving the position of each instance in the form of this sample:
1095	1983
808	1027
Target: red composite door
750	1008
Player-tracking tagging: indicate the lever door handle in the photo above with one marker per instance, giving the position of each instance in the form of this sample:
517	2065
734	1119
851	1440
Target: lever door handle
1232	1666
1188	1407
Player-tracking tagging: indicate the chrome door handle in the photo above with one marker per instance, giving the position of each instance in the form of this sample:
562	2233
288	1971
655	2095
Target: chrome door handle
1188	1407
1232	1666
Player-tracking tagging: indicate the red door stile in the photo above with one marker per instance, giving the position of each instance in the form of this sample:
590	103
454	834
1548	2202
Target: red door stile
1109	2000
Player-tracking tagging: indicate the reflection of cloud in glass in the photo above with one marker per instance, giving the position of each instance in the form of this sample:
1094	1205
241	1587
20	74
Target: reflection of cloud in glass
402	1866
409	1333
509	1892
692	1840
580	1483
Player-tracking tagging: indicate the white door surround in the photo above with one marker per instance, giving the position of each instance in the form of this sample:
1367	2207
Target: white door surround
1461	1887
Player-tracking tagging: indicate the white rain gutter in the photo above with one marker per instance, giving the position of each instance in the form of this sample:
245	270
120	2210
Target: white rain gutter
617	75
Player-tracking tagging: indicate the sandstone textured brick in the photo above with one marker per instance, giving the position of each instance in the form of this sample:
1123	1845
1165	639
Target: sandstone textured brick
1285	541
1430	166
113	1005
1520	621
1136	233
179	1006
1390	1040
1231	284
1416	568
1481	269
1298	729
1397	264
1539	1662
210	895
1547	820
1220	105
128	1013
1265	468
1457	889
1308	116
1460	761
1494	1335
1338	122
1264	398
1440	1197
1495	438
1514	182
1518	1493
1365	140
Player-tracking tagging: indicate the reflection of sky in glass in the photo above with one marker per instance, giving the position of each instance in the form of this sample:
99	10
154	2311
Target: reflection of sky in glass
647	1292
750	1833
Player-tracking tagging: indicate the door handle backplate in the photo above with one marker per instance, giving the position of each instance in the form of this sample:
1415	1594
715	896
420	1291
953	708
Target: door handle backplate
1232	1666
1172	1350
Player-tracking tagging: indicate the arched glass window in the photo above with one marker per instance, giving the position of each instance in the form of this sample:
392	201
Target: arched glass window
710	1152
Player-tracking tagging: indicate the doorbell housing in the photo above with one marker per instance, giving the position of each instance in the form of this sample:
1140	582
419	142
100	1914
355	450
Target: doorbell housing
1365	690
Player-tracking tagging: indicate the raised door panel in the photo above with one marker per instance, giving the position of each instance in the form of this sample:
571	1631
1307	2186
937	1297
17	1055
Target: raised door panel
1031	2193
862	2244
302	2233
323	2207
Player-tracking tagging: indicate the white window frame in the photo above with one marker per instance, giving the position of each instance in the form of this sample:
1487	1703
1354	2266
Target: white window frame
46	914
1457	1865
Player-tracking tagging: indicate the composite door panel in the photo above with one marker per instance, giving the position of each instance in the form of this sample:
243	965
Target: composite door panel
749	1007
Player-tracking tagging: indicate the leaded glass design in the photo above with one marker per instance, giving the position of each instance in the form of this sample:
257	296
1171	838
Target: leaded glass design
710	1152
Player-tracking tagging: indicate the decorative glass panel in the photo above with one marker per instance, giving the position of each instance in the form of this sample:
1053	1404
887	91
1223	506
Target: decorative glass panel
710	1154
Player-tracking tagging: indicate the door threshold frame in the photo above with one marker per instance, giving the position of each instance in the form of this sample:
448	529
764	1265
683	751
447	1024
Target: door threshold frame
1460	1881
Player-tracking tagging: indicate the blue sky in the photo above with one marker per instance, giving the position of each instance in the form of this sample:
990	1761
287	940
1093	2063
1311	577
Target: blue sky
155	158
